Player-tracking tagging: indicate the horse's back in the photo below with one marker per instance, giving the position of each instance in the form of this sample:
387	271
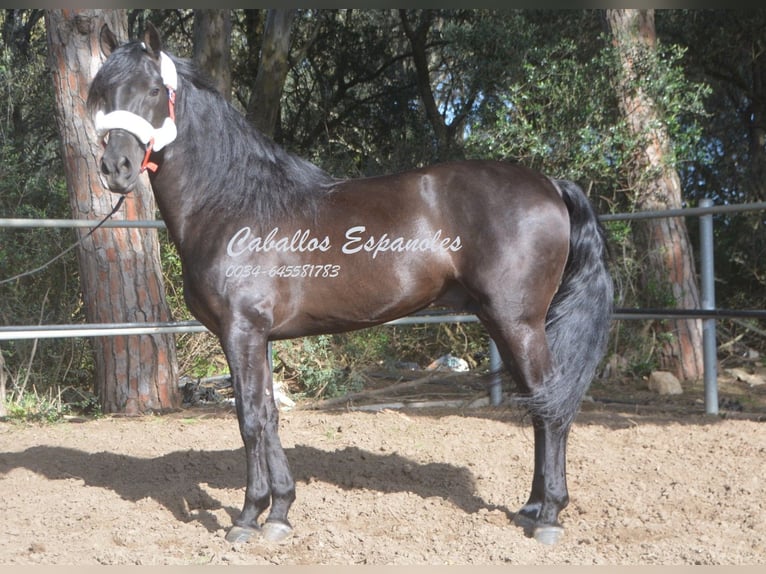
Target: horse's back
496	182
497	208
488	202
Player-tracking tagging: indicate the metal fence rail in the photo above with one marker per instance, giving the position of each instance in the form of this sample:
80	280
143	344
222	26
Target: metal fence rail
21	332
708	313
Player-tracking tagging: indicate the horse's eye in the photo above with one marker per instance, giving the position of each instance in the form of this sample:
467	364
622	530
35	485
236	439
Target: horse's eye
155	92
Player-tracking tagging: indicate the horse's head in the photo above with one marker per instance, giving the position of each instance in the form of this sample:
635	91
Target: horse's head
132	99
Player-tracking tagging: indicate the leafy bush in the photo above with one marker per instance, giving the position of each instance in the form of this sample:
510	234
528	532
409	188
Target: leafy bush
35	407
333	365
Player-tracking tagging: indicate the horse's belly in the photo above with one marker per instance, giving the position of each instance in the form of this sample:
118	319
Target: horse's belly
353	297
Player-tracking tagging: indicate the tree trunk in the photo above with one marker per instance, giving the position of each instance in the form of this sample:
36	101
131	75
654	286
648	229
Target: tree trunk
263	107
120	271
669	277
755	120
447	134
417	37
212	47
3	411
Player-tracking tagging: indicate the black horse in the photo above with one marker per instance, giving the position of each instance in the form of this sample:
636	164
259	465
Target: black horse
272	248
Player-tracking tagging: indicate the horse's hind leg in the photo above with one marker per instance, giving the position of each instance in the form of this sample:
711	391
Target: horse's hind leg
549	494
525	351
269	481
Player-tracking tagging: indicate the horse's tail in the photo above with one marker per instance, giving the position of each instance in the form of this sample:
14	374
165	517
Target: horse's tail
577	325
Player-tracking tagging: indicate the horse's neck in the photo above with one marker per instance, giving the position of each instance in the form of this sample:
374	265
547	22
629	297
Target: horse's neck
176	184
175	212
200	170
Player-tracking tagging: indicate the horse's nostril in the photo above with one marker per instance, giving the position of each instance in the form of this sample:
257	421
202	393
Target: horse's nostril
104	167
124	165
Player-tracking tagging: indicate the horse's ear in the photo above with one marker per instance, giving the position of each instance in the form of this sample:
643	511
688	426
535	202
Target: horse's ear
108	40
152	40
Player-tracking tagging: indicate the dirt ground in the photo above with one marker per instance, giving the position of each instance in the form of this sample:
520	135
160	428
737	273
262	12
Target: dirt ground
393	486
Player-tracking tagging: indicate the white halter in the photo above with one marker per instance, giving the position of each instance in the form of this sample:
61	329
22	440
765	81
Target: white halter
138	126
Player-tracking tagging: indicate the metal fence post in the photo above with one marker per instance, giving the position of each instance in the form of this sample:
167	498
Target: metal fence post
495	364
707	280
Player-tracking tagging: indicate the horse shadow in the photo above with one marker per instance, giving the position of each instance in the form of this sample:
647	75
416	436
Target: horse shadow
176	480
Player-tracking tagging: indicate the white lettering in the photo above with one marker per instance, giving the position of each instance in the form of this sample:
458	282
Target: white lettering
355	242
234	247
243	241
347	246
302	241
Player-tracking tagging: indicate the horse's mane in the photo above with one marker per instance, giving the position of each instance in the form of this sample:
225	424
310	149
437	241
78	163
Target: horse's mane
243	170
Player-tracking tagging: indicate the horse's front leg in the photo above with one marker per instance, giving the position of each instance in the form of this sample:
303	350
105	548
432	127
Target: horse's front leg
269	481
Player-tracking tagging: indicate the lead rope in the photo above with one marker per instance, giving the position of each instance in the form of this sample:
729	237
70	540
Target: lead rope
68	249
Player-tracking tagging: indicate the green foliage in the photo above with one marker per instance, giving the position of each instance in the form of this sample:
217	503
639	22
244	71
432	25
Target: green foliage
81	401
658	293
35	407
314	362
561	116
641	367
350	103
51	405
333	365
368	346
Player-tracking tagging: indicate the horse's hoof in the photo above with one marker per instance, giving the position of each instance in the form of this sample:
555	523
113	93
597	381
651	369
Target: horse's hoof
523	521
548	535
276	531
240	534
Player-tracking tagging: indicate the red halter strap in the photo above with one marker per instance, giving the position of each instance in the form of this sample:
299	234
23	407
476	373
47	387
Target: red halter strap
150	165
146	164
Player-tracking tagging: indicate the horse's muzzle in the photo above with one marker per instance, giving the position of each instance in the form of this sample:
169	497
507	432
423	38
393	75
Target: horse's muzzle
116	176
120	169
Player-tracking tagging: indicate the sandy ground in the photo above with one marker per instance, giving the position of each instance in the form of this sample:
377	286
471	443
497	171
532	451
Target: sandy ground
391	487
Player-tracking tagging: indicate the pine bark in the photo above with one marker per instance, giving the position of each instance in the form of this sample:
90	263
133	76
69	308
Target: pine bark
669	275
120	273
